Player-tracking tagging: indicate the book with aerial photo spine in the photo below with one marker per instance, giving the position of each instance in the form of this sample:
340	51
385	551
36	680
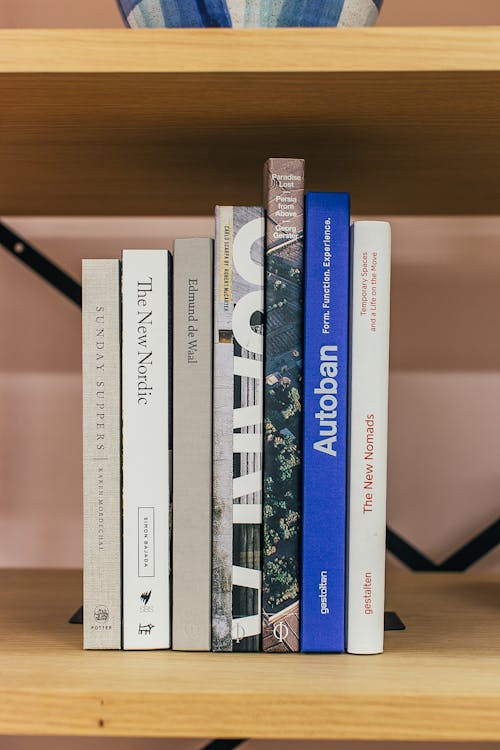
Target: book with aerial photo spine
284	203
192	449
146	448
102	614
370	307
237	428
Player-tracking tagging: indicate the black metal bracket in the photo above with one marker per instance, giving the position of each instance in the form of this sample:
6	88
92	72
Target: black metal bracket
223	744
473	550
391	620
459	561
40	264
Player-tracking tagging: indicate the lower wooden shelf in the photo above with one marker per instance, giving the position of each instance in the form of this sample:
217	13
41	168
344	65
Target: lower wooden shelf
438	680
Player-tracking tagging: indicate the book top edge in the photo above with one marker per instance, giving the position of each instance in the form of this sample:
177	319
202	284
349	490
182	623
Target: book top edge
99	261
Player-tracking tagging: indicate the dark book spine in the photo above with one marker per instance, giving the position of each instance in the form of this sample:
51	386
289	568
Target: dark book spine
237	427
284	203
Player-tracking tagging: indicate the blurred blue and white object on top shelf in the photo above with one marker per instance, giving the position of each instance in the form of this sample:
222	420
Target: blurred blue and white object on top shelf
249	13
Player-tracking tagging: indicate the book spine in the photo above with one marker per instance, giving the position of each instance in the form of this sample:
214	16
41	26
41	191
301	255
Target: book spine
146	471
370	305
192	470
102	615
325	421
237	447
282	499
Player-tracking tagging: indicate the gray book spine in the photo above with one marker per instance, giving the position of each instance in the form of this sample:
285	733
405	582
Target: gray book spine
102	615
192	444
237	445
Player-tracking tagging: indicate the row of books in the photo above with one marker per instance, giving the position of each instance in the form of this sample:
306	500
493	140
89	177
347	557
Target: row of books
235	432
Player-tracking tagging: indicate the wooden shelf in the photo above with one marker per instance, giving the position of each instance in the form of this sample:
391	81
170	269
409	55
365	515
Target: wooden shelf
174	121
438	680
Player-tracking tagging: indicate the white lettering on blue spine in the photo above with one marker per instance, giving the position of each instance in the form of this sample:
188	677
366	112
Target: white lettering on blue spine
327	391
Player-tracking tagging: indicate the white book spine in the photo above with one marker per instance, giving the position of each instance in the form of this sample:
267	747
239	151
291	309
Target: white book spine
102	619
146	473
370	308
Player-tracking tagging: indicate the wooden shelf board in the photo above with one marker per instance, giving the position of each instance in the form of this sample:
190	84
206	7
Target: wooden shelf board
250	50
173	121
438	680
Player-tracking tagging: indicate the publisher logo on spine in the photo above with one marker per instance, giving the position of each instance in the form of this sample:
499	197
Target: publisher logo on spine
239	632
101	613
281	631
145	629
145	606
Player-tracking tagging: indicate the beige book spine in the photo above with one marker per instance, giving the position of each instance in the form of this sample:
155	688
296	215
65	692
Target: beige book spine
192	444
102	616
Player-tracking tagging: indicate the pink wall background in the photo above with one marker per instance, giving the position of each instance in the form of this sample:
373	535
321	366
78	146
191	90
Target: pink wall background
444	392
444	467
103	13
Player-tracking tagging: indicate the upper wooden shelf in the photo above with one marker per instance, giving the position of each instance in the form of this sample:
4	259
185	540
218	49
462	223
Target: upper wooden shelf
326	50
174	121
438	680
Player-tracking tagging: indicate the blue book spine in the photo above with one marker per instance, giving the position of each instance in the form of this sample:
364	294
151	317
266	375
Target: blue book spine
326	359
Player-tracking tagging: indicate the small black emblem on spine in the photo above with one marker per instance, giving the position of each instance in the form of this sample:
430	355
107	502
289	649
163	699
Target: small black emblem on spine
145	629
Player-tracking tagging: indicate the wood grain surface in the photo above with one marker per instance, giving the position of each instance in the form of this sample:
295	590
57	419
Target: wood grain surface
170	122
429	49
438	680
